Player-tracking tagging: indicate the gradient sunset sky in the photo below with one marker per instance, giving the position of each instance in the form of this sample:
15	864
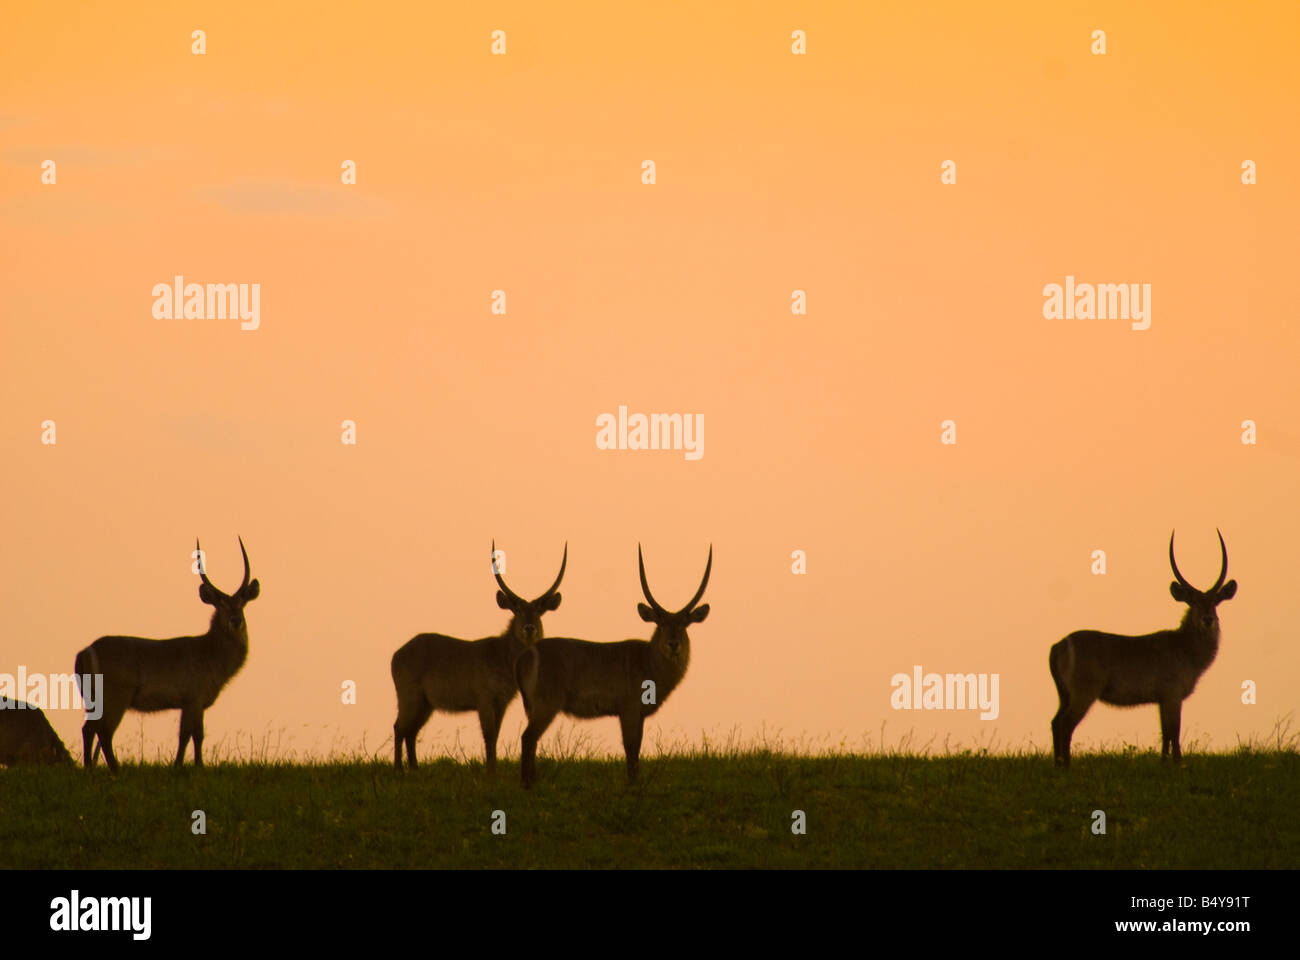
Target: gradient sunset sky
775	173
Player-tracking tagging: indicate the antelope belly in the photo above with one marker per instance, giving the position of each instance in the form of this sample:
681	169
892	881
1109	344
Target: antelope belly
589	707
152	700
1118	696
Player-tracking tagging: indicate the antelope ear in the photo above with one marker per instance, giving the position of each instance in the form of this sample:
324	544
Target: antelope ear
1228	591
1179	592
503	601
647	614
552	603
207	594
699	613
254	589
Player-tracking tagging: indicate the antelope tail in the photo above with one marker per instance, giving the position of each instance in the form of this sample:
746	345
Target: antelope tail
526	675
87	664
1061	662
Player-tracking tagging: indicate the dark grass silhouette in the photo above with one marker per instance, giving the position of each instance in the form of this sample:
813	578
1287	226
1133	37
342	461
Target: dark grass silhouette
706	805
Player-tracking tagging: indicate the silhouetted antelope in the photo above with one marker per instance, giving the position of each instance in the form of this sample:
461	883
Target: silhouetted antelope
184	673
1124	671
628	680
436	672
27	737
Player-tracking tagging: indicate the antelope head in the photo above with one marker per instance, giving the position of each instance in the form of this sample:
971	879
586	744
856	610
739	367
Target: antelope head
526	622
1202	613
229	613
670	628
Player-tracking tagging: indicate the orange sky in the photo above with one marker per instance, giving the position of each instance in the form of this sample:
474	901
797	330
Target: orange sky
774	173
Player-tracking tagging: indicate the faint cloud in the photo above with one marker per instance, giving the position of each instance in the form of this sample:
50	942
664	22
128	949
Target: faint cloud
85	155
294	198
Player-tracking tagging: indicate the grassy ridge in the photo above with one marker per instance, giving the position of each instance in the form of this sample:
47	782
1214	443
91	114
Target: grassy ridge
1226	810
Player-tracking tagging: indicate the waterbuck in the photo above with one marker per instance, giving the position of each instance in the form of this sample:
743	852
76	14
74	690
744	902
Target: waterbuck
184	673
436	672
1160	667
628	680
27	737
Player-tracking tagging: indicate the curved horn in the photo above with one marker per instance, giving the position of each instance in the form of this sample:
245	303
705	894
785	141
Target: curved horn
501	583
556	585
703	583
203	567
645	587
247	572
1177	576
1223	572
